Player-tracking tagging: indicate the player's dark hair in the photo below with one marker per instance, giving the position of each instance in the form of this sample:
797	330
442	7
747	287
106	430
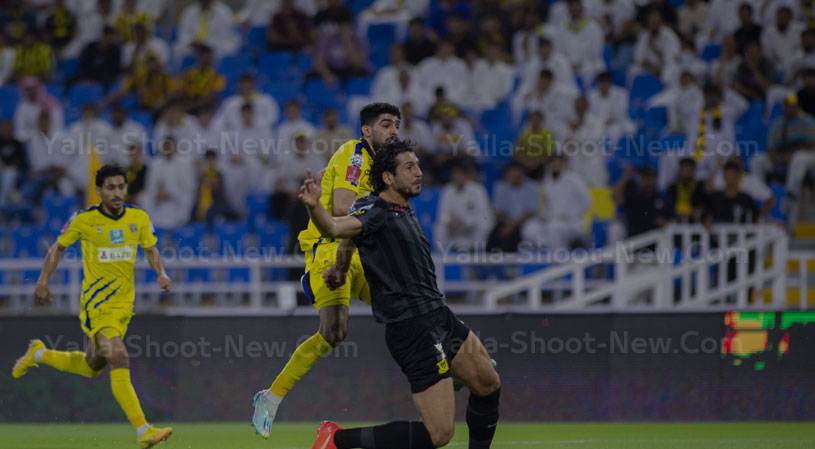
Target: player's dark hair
385	160
107	171
369	114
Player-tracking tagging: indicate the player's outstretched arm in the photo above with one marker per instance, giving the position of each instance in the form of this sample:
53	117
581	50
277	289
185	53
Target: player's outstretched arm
41	292
154	259
332	227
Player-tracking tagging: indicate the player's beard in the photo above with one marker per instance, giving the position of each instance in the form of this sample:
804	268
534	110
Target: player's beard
406	191
377	144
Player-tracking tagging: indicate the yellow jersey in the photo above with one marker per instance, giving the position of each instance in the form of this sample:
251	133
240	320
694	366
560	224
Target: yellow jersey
108	253
349	168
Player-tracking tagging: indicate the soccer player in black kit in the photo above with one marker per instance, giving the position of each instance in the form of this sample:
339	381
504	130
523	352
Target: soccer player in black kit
423	335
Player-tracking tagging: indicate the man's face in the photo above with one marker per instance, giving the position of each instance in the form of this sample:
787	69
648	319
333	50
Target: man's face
168	148
292	112
556	165
746	15
808	42
783	18
396	54
604	86
575	9
407	181
118	115
385	127
247	116
731	177
648	182
790	110
331	118
515	176
686	172
543	83
246	86
113	192
6	129
654	21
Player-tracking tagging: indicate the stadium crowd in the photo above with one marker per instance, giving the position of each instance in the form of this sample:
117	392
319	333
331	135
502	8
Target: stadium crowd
529	116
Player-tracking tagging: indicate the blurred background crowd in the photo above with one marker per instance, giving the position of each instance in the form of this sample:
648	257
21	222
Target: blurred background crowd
559	124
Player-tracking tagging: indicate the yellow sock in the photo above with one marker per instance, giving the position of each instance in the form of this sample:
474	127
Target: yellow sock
126	396
70	362
300	362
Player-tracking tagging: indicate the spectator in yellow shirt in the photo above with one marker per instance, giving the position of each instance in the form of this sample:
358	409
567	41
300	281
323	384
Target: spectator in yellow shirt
202	84
534	146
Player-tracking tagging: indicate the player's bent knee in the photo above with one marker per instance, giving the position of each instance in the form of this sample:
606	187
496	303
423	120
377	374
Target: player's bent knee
335	334
119	359
443	435
488	382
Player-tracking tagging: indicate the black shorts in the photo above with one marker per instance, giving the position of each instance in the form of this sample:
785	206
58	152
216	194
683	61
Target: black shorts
424	346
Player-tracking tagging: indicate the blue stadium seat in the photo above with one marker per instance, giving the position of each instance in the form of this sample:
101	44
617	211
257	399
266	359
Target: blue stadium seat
232	67
56	89
144	118
275	62
257	204
492	171
68	68
779	193
256	39
656	120
711	52
85	93
498	122
425	207
237	275
642	88
58	208
379	55
28	241
8	101
304	62
320	95
282	91
190	239
229	238
197	275
358	86
382	33
272	236
599	233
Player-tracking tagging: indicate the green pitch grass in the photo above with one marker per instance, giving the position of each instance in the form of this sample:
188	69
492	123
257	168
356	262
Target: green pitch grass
509	436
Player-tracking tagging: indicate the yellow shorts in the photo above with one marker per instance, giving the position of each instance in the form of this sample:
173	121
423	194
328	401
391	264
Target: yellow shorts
323	255
115	319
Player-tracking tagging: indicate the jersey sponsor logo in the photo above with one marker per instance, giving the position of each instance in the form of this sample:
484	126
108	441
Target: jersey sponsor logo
134	228
119	254
352	174
117	236
357	160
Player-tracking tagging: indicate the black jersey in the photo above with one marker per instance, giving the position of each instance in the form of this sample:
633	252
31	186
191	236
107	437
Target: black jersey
396	258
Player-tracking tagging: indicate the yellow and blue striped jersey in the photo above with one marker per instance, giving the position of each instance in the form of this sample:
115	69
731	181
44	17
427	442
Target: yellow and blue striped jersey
109	246
348	168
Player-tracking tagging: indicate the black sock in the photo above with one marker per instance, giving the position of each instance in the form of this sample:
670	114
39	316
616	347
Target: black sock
393	435
482	419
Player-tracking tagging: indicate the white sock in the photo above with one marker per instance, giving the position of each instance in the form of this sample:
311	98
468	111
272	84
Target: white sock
38	355
272	401
143	428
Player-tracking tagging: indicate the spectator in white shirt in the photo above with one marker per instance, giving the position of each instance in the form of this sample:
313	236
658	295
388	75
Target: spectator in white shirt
583	139
207	22
135	52
710	133
525	41
33	100
246	160
7	53
447	71
544	96
581	40
397	12
723	71
657	50
399	82
170	189
387	77
293	124
453	140
804	57
290	172
125	133
211	134
416	130
49	162
609	103
613	15
265	107
184	130
515	201
560	223
548	58
331	136
722	19
492	79
692	18
464	218
90	130
256	13
780	41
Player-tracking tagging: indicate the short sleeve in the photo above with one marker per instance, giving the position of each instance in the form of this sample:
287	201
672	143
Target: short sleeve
70	233
147	234
370	213
347	168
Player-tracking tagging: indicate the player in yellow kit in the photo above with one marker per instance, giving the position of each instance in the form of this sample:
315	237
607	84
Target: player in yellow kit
345	180
110	233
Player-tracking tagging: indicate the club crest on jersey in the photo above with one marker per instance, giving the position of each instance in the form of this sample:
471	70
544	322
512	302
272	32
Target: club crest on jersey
441	359
117	236
357	161
134	228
